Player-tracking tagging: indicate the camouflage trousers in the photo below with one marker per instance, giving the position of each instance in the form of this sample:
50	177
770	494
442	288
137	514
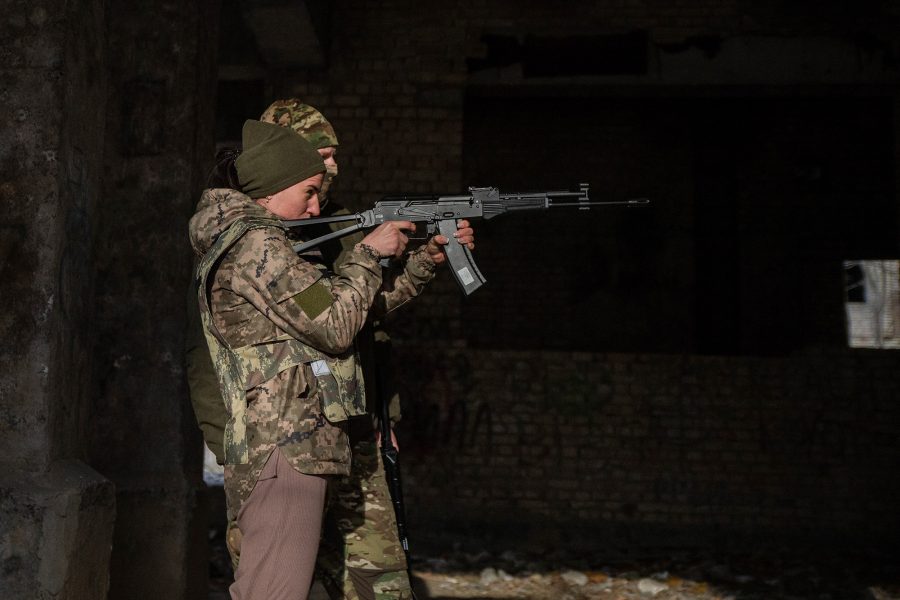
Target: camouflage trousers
360	556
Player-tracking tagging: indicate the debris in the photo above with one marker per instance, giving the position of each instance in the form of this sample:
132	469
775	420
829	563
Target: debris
489	576
651	587
594	588
574	578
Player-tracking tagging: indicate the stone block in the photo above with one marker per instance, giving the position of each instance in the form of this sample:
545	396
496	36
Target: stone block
56	533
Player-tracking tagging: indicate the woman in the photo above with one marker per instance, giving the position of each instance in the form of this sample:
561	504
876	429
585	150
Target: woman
281	335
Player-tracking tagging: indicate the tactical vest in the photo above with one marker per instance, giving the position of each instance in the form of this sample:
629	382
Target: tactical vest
241	369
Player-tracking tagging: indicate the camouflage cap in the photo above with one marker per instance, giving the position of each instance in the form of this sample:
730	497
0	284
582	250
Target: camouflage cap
302	118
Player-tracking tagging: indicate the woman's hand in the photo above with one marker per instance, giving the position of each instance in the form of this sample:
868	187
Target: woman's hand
388	238
465	235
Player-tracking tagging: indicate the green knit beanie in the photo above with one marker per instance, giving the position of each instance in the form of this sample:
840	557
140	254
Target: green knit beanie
274	158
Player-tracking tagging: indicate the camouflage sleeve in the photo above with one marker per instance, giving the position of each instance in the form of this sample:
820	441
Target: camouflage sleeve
403	285
279	284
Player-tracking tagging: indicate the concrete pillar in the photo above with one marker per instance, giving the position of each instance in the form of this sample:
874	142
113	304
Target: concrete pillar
160	118
56	513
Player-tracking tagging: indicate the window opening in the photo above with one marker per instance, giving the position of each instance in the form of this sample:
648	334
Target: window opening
872	301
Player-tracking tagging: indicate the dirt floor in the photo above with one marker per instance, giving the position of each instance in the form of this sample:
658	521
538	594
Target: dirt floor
773	576
783	575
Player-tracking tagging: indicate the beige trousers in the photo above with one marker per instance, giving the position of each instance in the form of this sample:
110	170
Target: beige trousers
280	522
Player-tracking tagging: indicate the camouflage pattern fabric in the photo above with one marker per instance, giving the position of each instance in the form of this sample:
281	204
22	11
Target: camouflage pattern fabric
246	367
360	556
252	305
206	398
373	342
310	123
273	396
360	539
302	118
375	533
313	126
370	534
391	585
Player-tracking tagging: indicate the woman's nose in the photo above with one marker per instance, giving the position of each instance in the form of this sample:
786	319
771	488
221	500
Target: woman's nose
312	206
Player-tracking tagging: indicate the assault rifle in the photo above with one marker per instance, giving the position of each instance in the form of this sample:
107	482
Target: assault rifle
441	214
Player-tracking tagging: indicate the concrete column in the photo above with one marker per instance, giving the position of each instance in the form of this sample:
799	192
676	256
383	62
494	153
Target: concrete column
158	147
56	513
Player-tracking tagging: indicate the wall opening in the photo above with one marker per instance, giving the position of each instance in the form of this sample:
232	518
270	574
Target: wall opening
872	301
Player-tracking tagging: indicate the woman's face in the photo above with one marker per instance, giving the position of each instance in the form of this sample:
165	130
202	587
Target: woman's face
300	201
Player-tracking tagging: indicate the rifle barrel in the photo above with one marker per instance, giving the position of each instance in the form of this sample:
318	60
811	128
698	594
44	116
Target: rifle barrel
633	202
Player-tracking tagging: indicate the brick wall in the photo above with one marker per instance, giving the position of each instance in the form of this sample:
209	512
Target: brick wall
704	448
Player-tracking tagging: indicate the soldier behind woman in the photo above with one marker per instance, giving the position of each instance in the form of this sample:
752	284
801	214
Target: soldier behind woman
360	556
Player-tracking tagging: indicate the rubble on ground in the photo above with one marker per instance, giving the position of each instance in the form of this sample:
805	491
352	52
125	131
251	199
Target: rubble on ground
765	577
561	575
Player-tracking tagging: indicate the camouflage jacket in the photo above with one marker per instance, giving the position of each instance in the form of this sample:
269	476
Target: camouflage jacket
372	343
261	292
